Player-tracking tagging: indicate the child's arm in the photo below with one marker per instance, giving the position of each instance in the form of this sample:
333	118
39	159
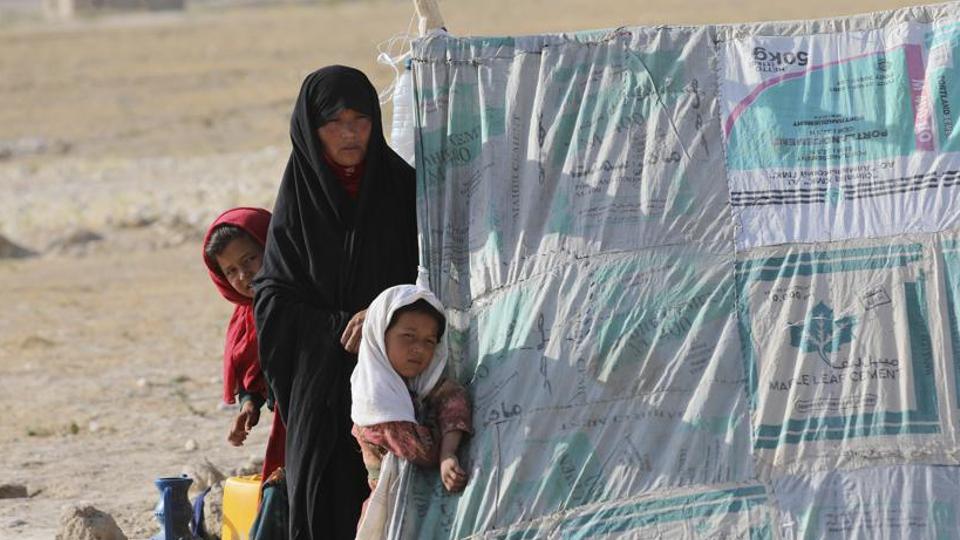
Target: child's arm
454	419
406	440
454	478
453	407
249	416
371	460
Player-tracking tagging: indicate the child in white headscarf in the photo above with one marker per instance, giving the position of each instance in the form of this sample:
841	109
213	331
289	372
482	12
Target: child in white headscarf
402	404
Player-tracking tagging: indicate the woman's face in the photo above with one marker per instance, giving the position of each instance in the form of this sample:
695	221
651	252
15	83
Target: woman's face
411	342
345	137
239	262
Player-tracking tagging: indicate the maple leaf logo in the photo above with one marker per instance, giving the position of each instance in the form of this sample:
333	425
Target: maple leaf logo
821	334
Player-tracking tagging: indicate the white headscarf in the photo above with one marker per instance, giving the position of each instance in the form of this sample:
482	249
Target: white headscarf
379	393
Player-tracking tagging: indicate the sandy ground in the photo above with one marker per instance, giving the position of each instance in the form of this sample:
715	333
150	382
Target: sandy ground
120	138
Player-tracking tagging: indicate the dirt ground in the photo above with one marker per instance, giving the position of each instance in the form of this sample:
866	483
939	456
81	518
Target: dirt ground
120	138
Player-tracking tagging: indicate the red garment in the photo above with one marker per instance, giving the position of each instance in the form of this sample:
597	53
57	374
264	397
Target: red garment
241	359
349	177
275	456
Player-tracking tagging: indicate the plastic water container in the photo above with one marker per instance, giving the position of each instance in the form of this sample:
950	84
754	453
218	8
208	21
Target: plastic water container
404	123
240	498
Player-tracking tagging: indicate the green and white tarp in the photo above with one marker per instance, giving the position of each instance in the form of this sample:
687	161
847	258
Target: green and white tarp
702	282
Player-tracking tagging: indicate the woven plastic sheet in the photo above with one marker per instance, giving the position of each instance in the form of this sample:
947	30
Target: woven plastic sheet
690	270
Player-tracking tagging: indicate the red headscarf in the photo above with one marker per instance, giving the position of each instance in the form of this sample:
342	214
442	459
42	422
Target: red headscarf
241	361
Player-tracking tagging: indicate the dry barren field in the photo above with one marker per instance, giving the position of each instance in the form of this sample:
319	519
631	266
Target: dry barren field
120	138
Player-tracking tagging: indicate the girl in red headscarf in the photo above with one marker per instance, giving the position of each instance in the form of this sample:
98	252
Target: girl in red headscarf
233	252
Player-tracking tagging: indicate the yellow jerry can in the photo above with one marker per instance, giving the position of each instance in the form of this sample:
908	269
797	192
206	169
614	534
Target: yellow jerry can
240	498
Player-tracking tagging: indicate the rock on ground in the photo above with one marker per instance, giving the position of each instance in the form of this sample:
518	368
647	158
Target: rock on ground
84	522
12	491
75	242
9	250
204	475
213	511
253	465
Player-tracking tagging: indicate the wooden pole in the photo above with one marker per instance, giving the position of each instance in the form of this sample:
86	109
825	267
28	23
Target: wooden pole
428	13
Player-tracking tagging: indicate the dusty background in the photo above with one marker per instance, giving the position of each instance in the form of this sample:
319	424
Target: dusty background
120	138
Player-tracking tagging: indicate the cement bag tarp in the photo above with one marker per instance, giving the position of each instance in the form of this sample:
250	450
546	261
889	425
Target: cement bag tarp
896	501
685	265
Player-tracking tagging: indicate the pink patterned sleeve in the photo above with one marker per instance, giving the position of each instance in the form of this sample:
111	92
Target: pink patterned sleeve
453	408
406	440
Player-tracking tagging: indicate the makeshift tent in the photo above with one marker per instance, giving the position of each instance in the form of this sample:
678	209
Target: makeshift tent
701	281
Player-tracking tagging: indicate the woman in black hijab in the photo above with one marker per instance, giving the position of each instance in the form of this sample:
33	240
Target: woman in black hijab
344	229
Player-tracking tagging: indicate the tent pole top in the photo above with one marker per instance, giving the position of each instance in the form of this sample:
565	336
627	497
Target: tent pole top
428	13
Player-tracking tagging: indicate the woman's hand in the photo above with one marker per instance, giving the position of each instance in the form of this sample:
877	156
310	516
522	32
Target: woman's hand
248	417
353	332
453	477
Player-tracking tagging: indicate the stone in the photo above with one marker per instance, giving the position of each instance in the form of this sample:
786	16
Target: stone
213	512
84	522
75	242
204	475
254	465
13	491
10	250
37	342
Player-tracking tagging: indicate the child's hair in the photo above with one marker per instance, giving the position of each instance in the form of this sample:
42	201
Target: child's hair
218	241
421	306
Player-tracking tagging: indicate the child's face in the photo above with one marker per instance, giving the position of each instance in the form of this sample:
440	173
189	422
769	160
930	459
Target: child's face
411	342
239	262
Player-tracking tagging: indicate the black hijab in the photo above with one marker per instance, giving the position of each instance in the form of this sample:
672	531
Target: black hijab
328	257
